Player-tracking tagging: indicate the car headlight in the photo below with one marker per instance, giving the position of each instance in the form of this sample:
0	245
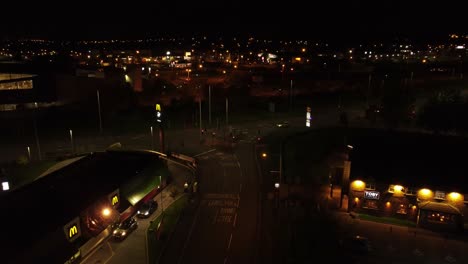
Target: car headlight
146	213
124	233
115	231
138	212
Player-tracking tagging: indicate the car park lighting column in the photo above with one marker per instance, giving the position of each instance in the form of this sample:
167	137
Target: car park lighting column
160	183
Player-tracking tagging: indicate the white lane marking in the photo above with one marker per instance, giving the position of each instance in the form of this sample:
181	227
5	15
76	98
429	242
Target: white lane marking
137	137
224	179
230	240
203	153
235	220
112	253
216	216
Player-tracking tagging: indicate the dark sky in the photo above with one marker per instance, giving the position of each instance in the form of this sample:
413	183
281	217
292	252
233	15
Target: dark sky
335	20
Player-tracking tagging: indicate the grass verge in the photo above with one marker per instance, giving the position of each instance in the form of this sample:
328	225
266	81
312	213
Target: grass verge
161	228
387	220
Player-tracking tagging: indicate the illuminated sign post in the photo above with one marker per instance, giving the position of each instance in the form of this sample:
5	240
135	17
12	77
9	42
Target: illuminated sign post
158	113
114	198
308	116
72	229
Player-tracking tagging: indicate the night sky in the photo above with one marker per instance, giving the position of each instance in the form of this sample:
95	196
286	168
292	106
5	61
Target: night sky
333	20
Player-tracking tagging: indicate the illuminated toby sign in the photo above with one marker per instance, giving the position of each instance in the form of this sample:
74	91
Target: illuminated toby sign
372	195
72	229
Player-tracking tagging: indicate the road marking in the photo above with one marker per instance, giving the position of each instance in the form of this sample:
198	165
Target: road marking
224	219
203	153
137	137
227	163
110	257
450	259
227	210
235	220
210	196
216	217
96	249
418	253
230	240
224	179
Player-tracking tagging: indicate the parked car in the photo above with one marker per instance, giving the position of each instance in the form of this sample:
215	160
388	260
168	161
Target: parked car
125	228
147	208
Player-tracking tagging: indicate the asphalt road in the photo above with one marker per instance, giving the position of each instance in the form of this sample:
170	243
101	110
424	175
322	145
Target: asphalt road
222	228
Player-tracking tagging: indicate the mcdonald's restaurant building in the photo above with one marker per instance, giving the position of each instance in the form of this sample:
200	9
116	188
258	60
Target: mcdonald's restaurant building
433	208
75	207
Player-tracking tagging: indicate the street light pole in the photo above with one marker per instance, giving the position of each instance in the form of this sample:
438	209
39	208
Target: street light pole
99	111
290	95
200	123
209	104
29	153
71	141
227	111
369	89
160	183
37	140
152	138
281	163
36	134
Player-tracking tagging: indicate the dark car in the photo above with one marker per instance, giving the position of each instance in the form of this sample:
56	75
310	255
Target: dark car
147	209
125	228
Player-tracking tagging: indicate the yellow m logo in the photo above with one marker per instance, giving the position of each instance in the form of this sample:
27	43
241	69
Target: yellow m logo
158	107
115	200
72	231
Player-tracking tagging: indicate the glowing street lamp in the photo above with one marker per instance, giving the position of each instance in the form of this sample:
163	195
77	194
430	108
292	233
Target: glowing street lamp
106	212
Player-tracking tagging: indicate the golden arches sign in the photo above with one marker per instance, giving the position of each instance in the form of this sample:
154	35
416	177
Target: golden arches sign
72	231
115	200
